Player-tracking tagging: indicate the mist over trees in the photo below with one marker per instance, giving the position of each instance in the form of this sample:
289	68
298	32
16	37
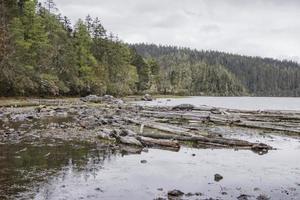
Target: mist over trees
43	54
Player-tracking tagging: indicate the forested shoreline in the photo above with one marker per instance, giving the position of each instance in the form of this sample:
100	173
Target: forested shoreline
254	76
43	54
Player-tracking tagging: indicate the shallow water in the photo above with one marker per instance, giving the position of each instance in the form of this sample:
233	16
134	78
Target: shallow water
245	103
34	169
85	171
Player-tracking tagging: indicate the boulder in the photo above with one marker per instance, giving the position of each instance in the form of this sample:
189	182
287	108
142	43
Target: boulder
184	107
92	98
218	177
260	148
263	197
108	98
243	197
174	194
147	97
99	99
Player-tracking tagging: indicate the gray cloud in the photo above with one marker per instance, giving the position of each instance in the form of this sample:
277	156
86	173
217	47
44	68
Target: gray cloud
268	28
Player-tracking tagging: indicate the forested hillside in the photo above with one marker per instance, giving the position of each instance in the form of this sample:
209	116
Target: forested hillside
258	76
43	54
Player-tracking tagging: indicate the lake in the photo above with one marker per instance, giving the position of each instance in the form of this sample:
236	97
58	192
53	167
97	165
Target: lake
245	103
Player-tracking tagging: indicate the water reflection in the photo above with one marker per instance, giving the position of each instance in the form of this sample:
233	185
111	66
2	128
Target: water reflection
24	166
60	170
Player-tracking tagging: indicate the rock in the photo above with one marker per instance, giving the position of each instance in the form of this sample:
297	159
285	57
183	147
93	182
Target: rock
189	194
160	189
20	117
83	124
147	97
130	141
193	154
127	132
215	111
184	107
143	161
243	197
112	99
218	177
175	193
92	98
263	197
98	99
224	193
260	148
108	98
99	189
105	134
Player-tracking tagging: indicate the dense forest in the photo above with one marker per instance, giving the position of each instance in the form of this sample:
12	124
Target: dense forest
257	76
43	54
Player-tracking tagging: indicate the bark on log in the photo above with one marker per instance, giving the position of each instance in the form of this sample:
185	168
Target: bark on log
158	142
270	120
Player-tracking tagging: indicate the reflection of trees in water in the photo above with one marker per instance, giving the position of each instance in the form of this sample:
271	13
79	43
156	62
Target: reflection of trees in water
24	166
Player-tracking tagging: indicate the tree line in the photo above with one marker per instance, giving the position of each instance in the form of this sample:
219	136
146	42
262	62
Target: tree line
235	74
43	54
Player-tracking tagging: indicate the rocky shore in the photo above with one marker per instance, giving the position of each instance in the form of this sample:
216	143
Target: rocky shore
125	124
121	126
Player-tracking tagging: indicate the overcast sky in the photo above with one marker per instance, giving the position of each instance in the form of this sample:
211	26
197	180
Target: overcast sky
268	28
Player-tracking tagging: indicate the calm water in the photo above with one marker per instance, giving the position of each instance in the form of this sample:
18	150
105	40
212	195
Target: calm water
124	177
246	103
66	170
82	171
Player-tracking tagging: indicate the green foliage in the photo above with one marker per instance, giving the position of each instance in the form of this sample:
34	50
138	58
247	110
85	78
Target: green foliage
41	54
221	73
47	57
143	70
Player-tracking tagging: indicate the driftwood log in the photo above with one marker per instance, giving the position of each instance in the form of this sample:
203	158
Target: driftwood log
186	124
282	121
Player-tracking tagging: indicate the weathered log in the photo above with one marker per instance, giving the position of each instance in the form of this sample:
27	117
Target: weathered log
158	142
246	124
163	127
221	142
266	120
128	140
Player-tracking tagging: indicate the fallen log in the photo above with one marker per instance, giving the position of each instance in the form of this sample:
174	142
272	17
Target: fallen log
151	142
128	140
216	141
246	124
159	126
263	121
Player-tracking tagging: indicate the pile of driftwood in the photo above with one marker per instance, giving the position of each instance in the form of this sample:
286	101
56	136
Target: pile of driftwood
166	127
285	121
184	123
